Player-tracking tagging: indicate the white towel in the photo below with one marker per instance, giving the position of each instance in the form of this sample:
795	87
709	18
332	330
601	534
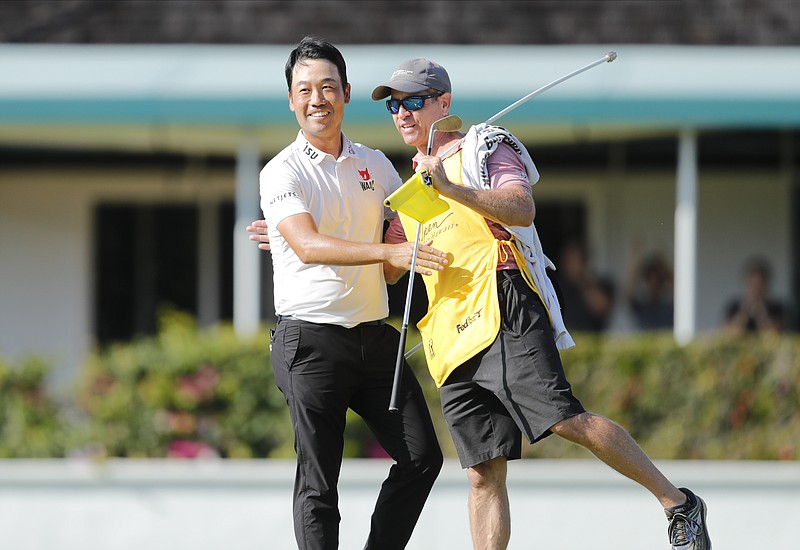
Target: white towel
480	142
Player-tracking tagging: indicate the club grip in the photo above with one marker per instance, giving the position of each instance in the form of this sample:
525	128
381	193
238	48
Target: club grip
394	406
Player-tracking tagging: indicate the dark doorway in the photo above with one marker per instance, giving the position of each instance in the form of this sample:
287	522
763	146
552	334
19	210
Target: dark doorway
558	223
145	259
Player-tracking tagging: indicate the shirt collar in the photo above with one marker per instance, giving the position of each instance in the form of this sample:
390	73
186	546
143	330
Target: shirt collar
316	156
348	150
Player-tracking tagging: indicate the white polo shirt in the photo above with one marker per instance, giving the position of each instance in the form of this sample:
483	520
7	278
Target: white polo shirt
345	198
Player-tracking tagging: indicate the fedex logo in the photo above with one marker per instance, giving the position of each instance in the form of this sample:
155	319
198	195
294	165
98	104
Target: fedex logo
460	327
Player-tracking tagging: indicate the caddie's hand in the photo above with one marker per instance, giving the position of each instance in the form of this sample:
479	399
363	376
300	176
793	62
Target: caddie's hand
429	259
260	233
433	165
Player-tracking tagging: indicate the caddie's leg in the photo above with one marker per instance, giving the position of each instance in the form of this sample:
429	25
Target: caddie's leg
489	512
612	444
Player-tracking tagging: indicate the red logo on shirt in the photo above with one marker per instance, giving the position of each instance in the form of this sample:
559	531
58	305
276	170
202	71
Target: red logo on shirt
367	183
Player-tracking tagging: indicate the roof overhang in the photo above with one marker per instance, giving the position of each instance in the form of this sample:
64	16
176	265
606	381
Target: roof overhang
204	98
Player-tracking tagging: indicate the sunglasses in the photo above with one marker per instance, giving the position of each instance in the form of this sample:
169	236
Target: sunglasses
413	103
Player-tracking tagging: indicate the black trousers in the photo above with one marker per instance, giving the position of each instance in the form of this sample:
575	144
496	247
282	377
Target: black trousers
322	371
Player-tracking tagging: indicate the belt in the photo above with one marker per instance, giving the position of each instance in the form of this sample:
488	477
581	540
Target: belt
377	323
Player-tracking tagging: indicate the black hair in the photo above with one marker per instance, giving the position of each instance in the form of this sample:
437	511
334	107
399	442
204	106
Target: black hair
760	265
314	48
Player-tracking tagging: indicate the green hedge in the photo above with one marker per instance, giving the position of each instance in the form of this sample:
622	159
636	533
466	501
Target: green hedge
721	397
189	392
30	423
184	393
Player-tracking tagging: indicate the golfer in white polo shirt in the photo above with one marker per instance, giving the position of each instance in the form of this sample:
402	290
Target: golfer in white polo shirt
322	198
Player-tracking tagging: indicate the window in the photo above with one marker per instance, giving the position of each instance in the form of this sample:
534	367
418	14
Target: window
146	258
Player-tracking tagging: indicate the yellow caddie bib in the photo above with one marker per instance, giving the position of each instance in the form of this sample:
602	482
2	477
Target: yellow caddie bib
463	314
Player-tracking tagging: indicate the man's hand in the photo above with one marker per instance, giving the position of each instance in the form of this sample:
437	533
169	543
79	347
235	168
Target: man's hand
398	260
260	233
510	205
429	259
433	165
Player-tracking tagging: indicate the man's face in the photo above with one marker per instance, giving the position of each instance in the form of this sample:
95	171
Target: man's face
415	125
756	284
317	99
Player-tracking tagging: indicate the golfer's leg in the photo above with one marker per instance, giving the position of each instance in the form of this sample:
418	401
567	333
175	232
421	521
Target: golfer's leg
614	445
318	427
408	436
489	513
318	442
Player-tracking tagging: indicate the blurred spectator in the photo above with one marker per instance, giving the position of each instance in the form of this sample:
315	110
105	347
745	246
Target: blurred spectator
649	291
756	310
588	301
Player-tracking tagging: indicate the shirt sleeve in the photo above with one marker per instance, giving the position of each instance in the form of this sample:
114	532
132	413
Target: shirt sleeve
506	168
281	194
395	233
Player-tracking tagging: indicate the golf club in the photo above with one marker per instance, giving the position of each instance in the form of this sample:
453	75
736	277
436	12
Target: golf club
451	123
608	58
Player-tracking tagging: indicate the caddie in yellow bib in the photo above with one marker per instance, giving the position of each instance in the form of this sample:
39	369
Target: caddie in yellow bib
463	316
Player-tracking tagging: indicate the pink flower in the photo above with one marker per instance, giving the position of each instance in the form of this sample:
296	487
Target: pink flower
183	448
199	387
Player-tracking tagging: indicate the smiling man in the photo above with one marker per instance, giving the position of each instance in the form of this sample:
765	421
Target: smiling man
494	328
331	350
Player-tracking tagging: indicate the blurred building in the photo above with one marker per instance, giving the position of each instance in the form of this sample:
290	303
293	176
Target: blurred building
131	135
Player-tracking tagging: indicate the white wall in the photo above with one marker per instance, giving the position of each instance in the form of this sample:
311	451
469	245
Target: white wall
45	268
740	214
46	247
246	505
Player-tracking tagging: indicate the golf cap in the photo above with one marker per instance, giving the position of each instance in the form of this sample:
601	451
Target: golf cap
412	76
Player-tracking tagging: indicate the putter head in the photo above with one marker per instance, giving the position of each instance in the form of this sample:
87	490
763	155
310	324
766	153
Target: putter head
450	123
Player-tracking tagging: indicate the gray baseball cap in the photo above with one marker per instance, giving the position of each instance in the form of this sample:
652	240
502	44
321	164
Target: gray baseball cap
412	76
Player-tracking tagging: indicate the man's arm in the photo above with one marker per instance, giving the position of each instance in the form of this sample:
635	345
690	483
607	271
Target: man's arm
311	246
508	205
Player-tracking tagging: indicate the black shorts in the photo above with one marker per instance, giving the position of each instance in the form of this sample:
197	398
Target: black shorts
517	385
